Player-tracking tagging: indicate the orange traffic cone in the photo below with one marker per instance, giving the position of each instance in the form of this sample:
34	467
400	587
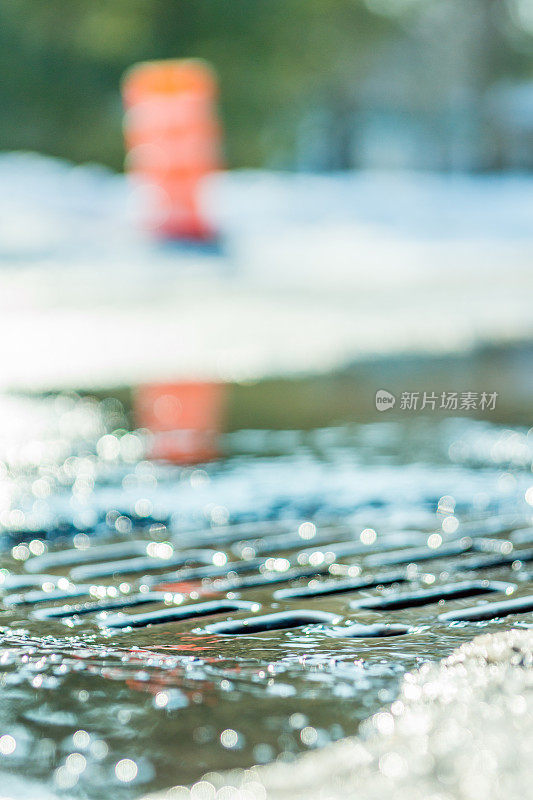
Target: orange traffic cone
172	138
184	418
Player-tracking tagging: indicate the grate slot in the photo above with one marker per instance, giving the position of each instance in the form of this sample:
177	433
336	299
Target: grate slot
344	549
414	555
522	536
281	620
494	546
491	562
426	597
229	534
145	564
283	542
38	596
177	613
519	605
339	587
359	631
63	612
209	571
74	556
492	526
26	581
269	579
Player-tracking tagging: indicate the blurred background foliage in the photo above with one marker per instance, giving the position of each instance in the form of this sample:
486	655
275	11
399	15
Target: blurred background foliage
305	84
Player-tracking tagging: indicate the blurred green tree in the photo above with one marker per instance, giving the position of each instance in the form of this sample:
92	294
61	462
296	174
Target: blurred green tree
279	61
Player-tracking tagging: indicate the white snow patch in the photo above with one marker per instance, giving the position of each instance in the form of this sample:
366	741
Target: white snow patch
314	272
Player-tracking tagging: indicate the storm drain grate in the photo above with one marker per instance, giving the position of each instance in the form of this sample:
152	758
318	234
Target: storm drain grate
189	584
290	625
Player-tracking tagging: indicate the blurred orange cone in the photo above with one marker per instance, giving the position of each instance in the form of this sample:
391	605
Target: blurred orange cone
184	418
173	142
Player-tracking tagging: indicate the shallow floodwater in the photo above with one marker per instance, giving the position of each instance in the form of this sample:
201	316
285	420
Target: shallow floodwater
97	700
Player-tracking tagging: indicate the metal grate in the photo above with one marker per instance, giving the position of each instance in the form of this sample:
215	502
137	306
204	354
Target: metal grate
171	579
238	619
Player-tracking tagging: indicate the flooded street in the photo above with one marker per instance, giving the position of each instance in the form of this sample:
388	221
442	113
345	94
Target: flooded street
161	621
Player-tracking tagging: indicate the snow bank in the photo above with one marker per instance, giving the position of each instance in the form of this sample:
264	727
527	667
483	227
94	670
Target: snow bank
314	272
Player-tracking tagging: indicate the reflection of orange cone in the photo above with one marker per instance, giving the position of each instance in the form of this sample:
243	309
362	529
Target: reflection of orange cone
173	141
184	418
